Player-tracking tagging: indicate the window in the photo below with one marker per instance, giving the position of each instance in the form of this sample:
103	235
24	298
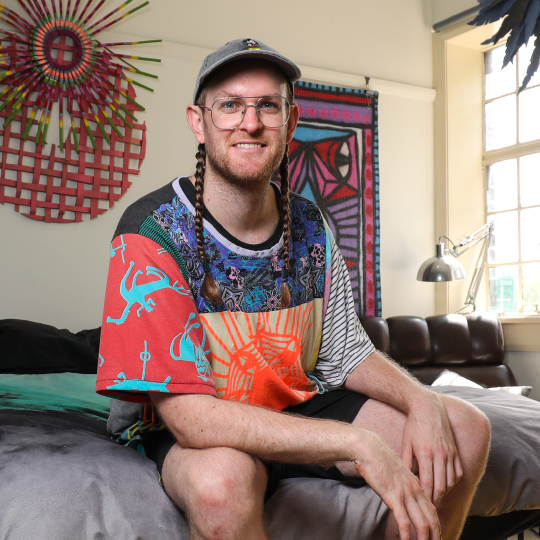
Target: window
511	160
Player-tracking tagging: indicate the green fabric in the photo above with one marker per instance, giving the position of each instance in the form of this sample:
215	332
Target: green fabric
53	391
152	230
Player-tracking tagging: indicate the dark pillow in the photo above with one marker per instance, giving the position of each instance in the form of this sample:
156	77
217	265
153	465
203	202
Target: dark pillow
30	347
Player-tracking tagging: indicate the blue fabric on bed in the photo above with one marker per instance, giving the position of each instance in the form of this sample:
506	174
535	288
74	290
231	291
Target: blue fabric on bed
54	392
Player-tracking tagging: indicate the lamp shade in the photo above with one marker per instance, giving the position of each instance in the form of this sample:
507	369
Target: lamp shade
441	267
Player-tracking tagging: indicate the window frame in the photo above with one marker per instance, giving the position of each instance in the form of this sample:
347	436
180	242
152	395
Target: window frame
490	157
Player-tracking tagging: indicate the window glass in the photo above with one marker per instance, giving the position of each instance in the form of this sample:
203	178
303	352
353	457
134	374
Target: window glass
529	115
502	191
530	234
531	287
529	174
503	288
503	247
498	82
500	120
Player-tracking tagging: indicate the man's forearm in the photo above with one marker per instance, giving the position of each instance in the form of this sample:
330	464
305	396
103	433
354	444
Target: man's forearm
199	421
381	379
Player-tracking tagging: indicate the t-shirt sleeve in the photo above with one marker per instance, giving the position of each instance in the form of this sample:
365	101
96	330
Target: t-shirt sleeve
344	342
152	339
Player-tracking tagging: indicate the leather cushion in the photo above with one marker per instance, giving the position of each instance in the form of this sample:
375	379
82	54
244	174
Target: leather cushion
450	339
409	340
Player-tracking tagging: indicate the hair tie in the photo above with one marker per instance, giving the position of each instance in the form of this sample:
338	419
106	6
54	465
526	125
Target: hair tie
285	274
206	267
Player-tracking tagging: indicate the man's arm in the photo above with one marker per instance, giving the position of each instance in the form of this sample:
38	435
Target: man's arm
428	436
199	421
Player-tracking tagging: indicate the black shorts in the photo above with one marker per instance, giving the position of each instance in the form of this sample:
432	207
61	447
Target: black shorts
342	405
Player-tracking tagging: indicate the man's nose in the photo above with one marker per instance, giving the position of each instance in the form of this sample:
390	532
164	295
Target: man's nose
251	121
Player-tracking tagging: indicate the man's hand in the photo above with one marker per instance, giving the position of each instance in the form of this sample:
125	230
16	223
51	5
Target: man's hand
399	488
428	442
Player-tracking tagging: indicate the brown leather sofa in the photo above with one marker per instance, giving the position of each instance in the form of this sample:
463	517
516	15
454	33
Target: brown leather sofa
471	345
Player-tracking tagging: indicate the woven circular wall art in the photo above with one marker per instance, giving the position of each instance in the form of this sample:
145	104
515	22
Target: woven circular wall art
55	71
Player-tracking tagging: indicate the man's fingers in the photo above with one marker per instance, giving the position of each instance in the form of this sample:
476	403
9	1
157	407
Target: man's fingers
458	469
414	511
450	475
403	522
429	524
424	518
427	476
407	455
440	483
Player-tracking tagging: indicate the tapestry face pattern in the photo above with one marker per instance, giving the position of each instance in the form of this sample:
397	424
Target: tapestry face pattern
334	163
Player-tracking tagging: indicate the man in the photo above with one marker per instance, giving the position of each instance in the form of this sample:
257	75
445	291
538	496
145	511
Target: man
252	304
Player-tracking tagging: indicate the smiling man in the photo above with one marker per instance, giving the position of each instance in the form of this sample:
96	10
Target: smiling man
229	310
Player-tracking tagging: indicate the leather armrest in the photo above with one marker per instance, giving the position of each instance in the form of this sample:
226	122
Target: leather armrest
377	330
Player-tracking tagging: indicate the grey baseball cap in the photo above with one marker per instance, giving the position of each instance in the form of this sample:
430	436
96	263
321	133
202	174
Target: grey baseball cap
242	49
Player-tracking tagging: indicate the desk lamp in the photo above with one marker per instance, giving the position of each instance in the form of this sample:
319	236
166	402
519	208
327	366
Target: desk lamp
445	267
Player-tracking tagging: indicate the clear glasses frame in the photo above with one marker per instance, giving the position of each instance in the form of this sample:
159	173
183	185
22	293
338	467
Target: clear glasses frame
243	114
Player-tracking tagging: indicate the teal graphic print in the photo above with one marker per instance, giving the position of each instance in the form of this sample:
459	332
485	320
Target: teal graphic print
189	352
140	291
122	247
123	383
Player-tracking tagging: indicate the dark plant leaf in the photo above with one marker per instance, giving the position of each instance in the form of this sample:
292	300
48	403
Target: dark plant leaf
535	59
493	12
521	22
526	29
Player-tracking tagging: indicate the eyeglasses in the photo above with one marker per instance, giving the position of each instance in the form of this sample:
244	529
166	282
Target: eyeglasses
229	112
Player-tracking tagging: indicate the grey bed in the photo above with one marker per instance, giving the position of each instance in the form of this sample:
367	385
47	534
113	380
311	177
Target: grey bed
62	477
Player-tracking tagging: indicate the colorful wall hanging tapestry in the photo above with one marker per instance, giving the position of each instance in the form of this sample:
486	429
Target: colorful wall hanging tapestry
56	71
334	162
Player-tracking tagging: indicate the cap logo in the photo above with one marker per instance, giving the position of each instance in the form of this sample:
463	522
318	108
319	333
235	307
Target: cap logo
251	44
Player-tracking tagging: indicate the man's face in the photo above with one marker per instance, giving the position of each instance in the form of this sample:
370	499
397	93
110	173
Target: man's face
251	152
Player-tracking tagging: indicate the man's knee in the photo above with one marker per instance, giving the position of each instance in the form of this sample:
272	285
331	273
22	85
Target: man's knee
471	428
219	479
229	475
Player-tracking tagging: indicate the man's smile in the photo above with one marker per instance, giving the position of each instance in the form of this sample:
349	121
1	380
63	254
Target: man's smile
248	145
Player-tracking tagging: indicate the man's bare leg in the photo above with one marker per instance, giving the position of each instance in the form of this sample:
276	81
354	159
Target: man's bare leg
471	433
221	490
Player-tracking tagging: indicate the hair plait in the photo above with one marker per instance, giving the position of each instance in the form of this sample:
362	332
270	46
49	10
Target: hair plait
286	216
209	289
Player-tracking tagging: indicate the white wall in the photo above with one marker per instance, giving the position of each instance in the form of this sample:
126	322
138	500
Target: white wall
526	368
56	273
443	9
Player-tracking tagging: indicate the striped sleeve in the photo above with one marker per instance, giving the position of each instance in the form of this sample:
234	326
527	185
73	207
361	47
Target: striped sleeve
344	343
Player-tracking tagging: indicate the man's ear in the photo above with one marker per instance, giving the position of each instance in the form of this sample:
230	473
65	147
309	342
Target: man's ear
293	122
194	115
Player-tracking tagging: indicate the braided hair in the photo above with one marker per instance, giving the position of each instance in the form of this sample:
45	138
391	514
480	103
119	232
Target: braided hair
209	289
286	216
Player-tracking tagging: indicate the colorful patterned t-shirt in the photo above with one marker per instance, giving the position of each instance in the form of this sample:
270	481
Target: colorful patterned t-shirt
160	335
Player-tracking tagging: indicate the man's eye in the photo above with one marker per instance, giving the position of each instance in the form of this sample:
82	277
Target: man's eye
269	106
229	106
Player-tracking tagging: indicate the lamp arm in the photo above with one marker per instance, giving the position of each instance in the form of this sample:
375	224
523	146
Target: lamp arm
477	236
470	299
